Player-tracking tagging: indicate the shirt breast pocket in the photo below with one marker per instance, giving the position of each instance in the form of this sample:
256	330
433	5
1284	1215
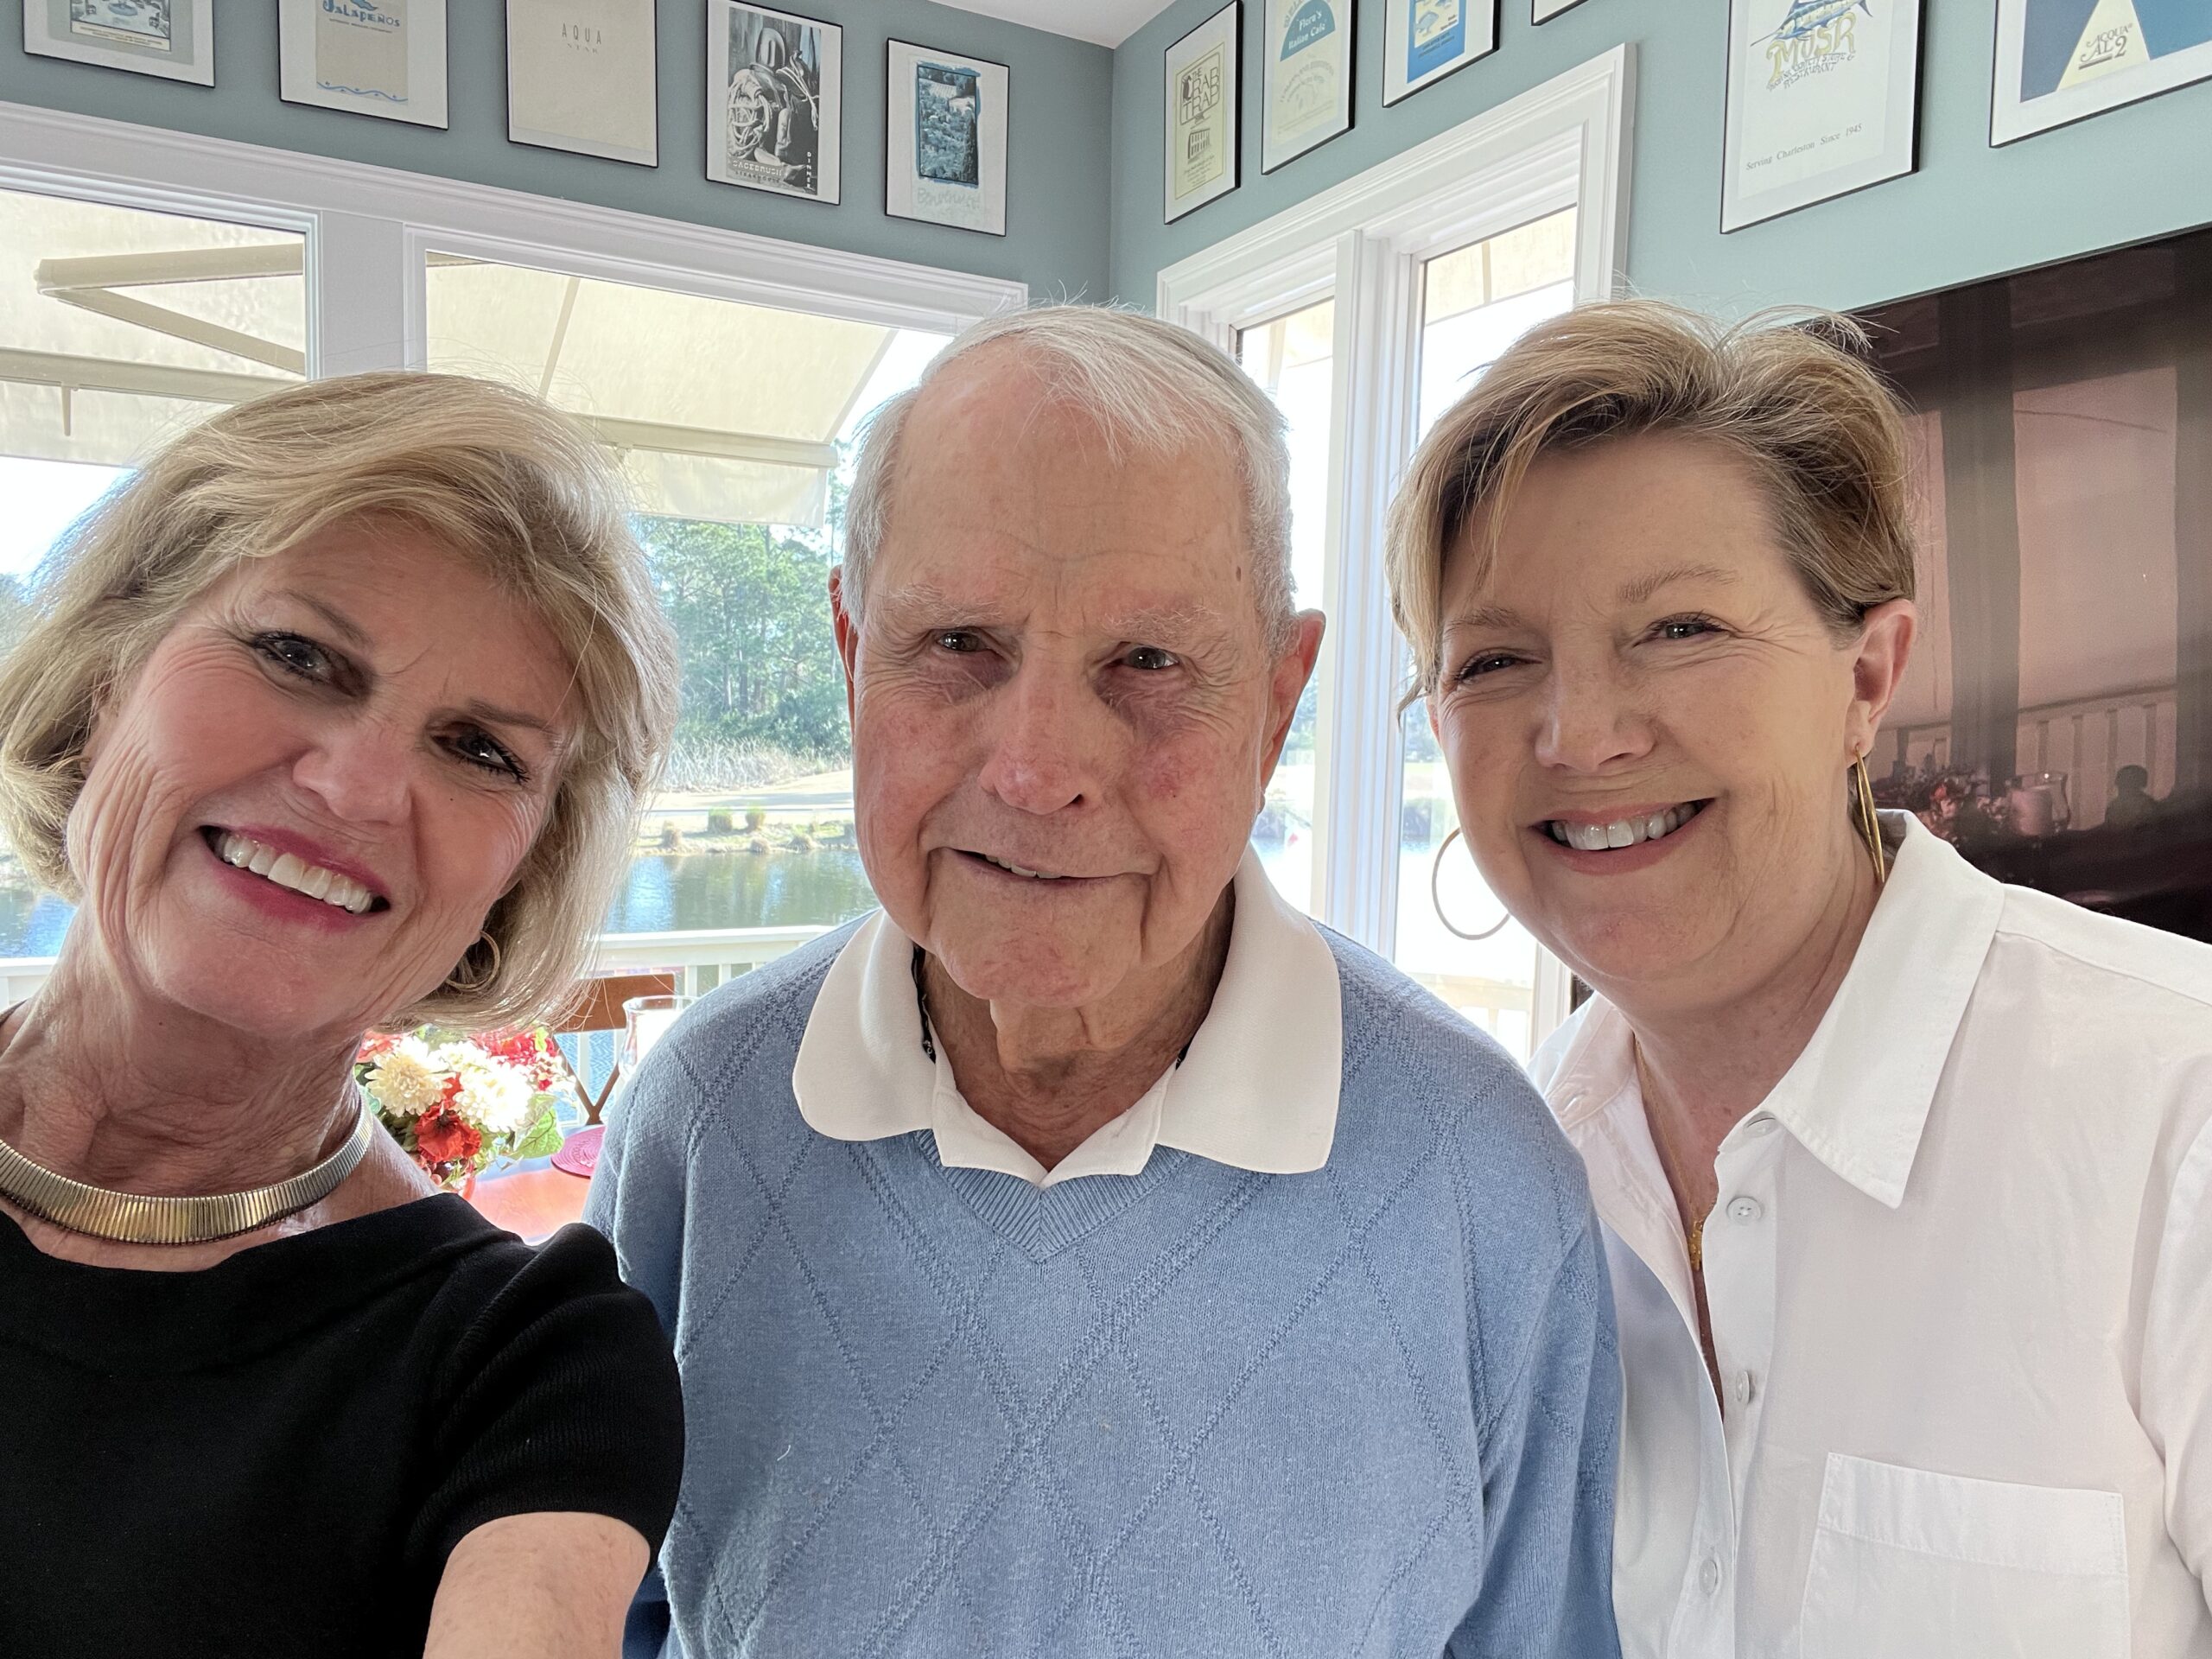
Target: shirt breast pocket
1907	1564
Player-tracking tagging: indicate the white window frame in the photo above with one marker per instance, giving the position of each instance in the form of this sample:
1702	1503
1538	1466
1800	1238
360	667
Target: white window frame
1566	143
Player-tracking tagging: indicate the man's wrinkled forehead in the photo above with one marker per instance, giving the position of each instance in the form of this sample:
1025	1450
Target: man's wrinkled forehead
1190	624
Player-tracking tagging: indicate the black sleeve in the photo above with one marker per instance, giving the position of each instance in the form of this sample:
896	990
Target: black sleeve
562	1396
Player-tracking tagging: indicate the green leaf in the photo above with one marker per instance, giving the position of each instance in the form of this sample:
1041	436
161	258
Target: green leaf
541	1140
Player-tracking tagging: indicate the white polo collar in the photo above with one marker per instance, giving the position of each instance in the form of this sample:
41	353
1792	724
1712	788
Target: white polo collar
1858	1096
1257	1090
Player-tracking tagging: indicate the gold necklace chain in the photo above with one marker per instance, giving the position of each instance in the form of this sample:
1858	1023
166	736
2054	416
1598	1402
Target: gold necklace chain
134	1219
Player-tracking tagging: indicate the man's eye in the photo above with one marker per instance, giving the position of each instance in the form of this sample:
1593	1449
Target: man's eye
958	640
1150	658
294	655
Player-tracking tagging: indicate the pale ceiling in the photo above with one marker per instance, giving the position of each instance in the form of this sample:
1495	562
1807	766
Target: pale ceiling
1108	22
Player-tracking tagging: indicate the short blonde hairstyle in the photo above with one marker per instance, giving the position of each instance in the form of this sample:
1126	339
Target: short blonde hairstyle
1816	423
504	480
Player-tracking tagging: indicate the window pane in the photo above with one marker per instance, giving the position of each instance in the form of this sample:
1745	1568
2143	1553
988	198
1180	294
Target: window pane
736	427
119	328
1292	360
1475	302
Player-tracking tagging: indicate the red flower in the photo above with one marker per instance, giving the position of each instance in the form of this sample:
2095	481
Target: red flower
373	1046
443	1138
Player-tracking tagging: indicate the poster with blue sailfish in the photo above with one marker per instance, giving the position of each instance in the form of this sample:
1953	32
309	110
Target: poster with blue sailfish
1823	99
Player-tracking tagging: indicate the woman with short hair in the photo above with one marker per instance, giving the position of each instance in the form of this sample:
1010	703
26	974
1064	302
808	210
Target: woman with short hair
1903	1173
336	717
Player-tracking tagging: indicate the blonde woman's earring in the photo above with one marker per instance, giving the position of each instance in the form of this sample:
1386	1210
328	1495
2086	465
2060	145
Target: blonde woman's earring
476	981
1870	825
1436	896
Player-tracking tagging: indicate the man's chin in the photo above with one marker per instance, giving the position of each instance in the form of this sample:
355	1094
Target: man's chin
1032	973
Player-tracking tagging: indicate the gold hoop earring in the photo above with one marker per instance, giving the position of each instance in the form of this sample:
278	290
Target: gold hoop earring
1436	898
1870	823
475	981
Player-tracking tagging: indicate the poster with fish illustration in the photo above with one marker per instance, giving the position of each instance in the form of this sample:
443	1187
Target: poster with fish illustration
1424	41
2059	61
1304	77
173	39
1823	99
385	58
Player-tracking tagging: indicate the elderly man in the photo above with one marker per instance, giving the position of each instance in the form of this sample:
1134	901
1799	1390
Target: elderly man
1085	1254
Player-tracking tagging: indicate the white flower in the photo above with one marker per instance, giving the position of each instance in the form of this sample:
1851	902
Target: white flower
494	1096
408	1077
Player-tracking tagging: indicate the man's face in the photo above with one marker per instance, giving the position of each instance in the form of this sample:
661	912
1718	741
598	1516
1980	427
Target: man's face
1065	709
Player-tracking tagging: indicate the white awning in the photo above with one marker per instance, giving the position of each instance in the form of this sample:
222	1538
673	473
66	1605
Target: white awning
119	327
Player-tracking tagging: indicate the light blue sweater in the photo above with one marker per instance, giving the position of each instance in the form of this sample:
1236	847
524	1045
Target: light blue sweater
1193	1412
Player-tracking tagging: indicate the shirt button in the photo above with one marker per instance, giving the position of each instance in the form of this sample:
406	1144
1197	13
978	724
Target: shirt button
1708	1575
1760	1125
1746	1388
1744	1212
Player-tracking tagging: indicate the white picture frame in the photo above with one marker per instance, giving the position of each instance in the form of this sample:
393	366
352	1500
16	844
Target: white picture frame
2052	68
944	139
1306	72
583	76
775	101
1823	99
1202	129
173	39
1424	41
384	58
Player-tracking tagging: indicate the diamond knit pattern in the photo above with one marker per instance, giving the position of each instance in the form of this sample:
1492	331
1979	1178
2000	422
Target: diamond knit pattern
1196	1411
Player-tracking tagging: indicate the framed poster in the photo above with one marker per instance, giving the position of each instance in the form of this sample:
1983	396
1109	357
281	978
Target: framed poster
1202	129
1304	77
582	76
1823	99
944	139
775	100
1424	41
174	39
375	57
2058	61
1545	10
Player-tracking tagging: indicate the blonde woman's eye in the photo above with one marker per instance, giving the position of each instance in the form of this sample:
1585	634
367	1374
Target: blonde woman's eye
1684	627
482	749
1489	662
299	656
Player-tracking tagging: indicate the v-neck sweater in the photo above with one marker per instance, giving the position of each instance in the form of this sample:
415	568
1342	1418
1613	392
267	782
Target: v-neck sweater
1366	1409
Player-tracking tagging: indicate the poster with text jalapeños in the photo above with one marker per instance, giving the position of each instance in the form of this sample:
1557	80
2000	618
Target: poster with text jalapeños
384	58
1822	99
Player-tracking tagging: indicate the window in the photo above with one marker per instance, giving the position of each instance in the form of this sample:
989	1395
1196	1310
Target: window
1421	270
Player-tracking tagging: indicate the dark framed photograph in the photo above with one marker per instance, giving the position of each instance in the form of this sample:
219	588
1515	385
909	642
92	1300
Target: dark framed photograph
173	39
584	75
1424	41
775	100
1823	99
2062	61
1305	70
1203	128
945	138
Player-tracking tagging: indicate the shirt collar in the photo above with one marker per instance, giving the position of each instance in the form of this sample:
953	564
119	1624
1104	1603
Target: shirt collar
1257	1090
1858	1096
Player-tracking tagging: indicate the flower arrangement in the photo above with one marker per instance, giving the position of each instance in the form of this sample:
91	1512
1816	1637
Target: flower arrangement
458	1103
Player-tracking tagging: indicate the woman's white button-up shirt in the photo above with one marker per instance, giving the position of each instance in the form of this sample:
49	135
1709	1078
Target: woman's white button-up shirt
1959	1277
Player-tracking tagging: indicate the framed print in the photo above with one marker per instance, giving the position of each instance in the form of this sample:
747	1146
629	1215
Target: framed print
944	139
1823	99
1304	77
775	100
1545	10
2058	61
1424	41
1203	130
174	39
581	76
375	57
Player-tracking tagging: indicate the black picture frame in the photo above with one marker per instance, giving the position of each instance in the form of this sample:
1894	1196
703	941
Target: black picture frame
1352	91
507	81
718	11
1496	40
891	48
1236	111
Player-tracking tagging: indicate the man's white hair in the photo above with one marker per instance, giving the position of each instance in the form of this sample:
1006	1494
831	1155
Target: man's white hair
1149	386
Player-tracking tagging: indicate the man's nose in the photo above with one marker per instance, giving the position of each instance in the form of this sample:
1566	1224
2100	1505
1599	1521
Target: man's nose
1588	722
360	771
1049	740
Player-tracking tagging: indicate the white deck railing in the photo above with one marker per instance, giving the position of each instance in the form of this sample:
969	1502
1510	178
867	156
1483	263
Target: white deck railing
701	959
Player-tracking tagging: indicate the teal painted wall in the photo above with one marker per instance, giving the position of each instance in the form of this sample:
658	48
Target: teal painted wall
1060	91
1970	212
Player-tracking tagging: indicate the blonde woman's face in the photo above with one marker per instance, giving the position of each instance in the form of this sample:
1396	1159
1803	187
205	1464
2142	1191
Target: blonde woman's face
1649	724
300	810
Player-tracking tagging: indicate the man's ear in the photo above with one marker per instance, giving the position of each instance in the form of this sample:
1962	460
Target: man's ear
1885	638
1287	682
849	634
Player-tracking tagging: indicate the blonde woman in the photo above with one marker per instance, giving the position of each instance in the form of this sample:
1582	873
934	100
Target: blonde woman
336	717
1903	1172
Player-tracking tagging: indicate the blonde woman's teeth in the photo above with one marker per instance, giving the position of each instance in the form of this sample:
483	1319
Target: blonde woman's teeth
1621	832
290	870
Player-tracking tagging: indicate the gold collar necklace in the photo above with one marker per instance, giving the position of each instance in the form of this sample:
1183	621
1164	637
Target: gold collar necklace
132	1218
